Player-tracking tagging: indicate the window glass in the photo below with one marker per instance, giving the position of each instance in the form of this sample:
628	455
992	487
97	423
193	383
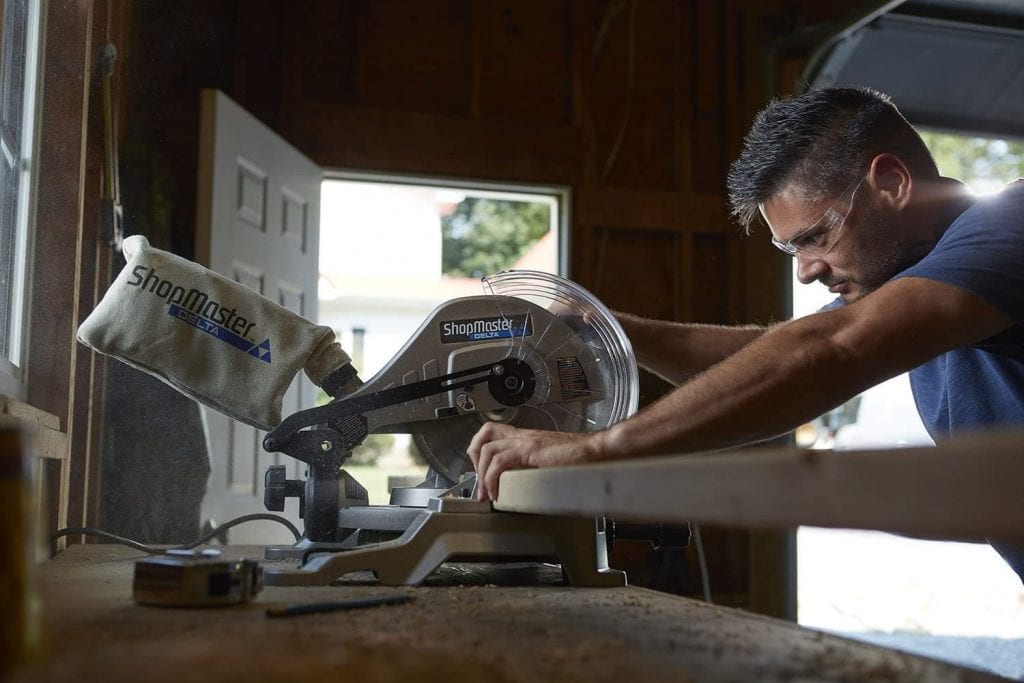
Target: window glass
19	42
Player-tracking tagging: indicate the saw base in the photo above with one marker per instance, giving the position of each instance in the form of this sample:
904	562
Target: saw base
459	529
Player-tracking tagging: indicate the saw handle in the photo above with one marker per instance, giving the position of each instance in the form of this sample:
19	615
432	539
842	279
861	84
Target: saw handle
289	427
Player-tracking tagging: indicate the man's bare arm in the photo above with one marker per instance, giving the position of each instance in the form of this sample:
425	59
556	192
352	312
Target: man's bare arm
678	351
802	368
781	379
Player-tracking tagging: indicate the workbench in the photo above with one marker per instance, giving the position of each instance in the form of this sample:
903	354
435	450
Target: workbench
495	633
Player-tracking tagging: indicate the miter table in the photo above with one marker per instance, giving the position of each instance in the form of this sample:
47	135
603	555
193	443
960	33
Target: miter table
542	632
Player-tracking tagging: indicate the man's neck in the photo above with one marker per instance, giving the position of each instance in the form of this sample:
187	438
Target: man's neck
951	198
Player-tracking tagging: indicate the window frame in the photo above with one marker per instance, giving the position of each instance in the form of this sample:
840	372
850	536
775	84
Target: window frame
13	362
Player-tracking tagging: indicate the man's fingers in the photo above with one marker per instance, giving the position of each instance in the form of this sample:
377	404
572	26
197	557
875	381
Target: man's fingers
487	433
493	449
480	465
495	458
502	456
494	470
485	463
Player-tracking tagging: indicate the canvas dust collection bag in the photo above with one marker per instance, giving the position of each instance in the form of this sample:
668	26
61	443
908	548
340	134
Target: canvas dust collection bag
208	336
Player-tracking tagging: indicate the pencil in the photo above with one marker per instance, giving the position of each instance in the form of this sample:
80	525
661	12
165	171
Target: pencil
335	605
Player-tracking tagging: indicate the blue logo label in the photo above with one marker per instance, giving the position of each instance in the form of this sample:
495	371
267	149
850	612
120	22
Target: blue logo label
259	351
480	329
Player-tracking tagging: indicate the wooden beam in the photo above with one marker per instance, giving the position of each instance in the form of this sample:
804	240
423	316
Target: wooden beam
643	209
361	138
48	441
966	488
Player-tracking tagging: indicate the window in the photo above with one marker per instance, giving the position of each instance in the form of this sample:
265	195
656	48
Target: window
19	50
391	251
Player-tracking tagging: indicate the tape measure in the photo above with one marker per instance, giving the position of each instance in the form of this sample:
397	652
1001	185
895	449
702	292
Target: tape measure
195	581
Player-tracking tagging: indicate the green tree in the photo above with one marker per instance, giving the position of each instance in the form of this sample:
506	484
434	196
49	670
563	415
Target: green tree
980	162
484	236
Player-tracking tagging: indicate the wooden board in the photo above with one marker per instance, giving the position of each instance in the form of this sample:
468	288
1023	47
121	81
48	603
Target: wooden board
968	488
451	633
47	440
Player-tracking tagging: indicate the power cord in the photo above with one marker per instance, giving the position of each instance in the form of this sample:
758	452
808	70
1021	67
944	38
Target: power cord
152	550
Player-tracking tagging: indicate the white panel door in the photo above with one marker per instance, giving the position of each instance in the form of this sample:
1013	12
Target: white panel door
259	207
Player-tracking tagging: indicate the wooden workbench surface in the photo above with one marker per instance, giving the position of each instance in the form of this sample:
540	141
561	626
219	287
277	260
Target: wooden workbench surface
447	633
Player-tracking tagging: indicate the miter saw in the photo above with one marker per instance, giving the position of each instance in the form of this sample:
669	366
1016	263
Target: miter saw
534	350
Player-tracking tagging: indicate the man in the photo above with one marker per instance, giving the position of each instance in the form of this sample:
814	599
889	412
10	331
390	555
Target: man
929	280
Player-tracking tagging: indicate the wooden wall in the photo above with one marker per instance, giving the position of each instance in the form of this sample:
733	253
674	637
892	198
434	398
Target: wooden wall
636	106
71	261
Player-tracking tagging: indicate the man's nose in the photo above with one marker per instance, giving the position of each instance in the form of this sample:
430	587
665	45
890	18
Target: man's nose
809	268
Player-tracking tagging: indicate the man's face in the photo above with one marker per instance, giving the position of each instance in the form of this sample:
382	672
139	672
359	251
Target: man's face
862	245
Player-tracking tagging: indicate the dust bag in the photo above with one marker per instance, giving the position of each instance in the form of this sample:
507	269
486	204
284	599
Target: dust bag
208	336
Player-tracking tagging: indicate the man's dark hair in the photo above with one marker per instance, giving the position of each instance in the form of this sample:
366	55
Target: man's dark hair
821	141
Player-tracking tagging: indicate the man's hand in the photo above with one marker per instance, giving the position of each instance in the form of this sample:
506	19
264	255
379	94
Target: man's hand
498	447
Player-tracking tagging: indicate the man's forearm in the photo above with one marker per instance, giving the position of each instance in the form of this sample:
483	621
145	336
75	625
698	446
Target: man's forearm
678	351
800	369
772	385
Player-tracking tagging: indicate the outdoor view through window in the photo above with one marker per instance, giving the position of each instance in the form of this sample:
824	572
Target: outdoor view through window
391	252
897	590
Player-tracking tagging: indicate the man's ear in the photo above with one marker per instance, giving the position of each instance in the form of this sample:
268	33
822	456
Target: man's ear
891	179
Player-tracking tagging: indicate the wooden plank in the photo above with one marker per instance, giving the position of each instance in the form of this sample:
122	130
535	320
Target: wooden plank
633	271
475	40
580	30
712	269
23	411
514	632
521	60
646	209
413	57
340	136
59	230
682	88
707	133
48	441
966	488
85	414
684	288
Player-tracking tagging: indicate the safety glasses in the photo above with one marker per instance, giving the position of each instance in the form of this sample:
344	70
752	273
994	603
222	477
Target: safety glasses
821	237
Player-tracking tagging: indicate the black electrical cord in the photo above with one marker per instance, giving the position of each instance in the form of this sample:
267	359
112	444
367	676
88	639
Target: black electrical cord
90	531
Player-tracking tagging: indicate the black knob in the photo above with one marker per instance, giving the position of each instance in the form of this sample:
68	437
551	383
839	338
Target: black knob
277	487
274	485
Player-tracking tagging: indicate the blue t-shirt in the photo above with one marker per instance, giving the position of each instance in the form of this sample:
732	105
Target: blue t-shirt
979	386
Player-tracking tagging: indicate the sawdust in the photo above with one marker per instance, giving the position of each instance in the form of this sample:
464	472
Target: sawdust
449	632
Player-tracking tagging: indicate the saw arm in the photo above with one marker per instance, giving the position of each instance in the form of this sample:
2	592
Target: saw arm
510	382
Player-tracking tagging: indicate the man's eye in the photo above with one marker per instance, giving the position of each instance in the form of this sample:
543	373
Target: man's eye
815	238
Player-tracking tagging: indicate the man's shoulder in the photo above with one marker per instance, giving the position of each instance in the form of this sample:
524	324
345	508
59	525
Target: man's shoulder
1007	205
993	224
